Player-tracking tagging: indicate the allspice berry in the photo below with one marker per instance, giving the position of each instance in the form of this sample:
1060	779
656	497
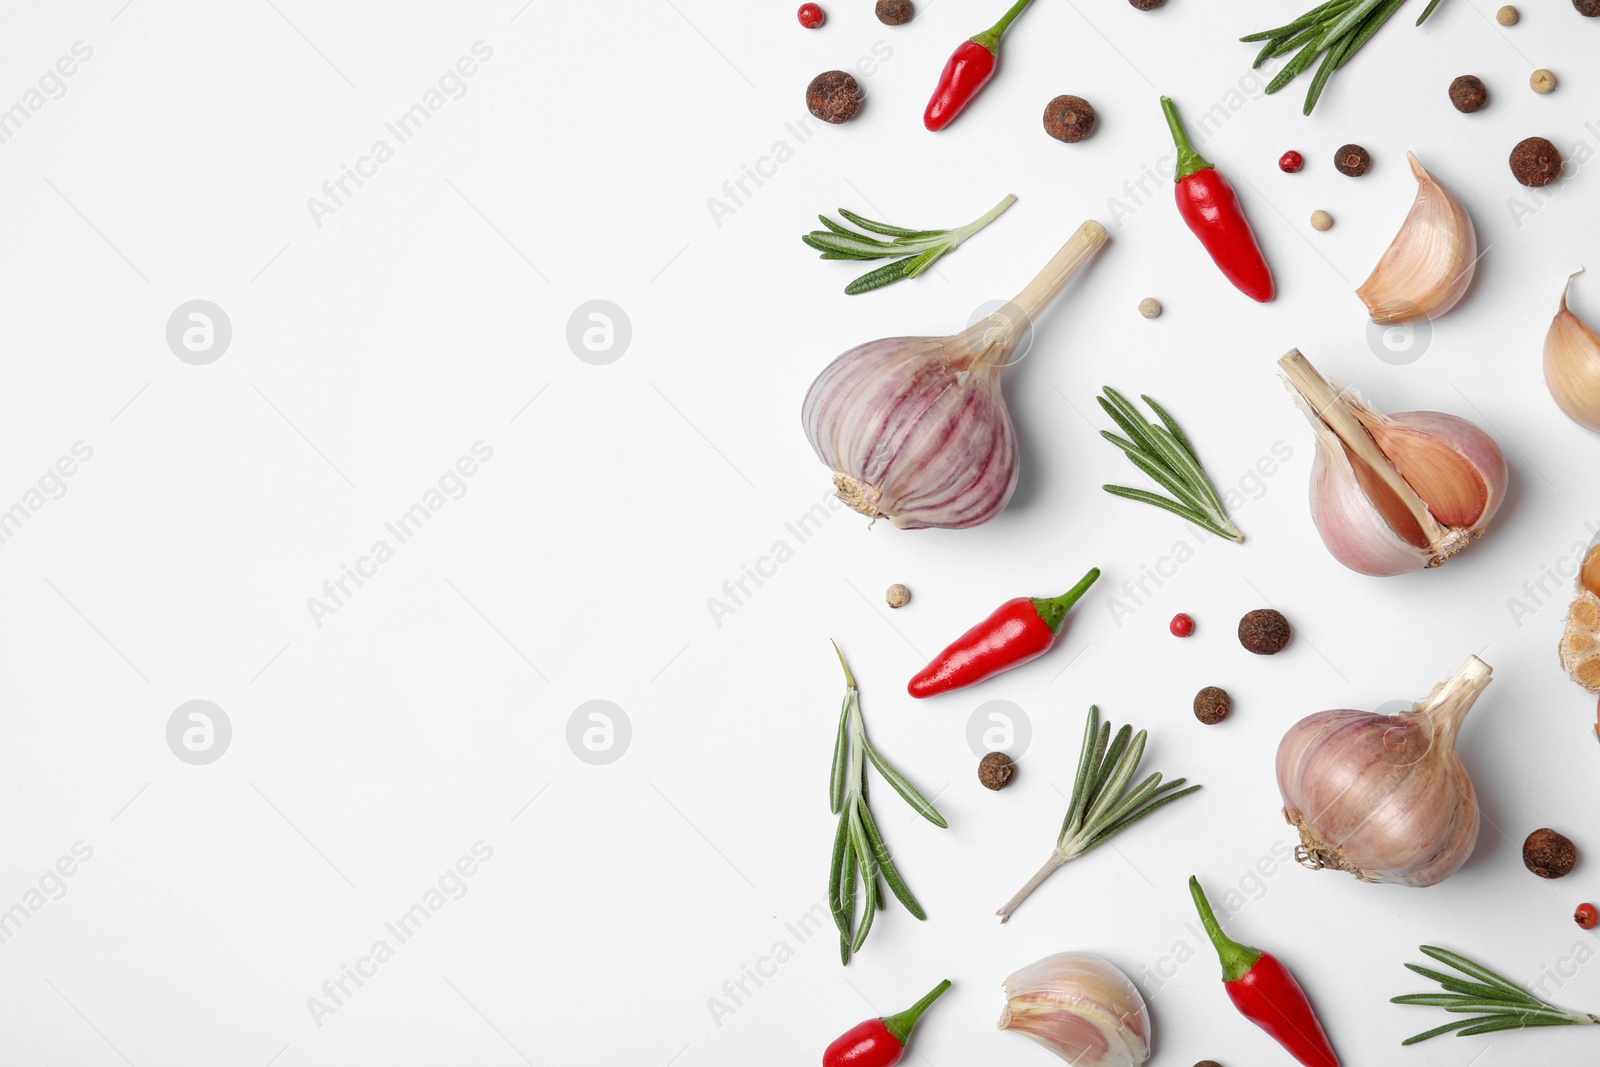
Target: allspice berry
1353	160
1542	81
1212	705
1507	16
1469	94
1069	118
1208	1063
1549	854
1147	5
897	595
1587	8
996	770
894	12
1264	631
1535	161
834	96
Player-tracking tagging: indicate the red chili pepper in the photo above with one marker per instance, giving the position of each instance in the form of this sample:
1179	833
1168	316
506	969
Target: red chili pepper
1266	993
1211	208
879	1042
1018	631
968	70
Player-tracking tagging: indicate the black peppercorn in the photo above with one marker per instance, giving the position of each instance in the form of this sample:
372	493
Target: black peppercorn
1212	705
1549	854
1468	94
894	12
996	770
1069	118
1147	5
834	96
1587	8
1353	160
1536	161
1264	631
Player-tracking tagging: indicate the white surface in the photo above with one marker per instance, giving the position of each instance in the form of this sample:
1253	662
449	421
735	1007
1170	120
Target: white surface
370	753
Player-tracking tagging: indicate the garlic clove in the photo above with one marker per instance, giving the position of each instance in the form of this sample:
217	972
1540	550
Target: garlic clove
1451	464
1080	1007
1572	365
1580	642
1430	262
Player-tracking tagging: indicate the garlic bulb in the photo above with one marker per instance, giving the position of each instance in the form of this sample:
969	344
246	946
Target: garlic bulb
1394	493
1429	263
915	429
1572	365
1580	644
1385	797
1081	1008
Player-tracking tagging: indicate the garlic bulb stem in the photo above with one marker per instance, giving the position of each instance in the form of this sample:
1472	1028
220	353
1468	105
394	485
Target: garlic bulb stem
991	340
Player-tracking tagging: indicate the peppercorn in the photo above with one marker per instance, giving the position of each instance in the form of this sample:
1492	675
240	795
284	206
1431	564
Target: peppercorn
1535	161
811	16
1549	854
834	96
1150	307
1212	705
1587	8
996	770
1507	16
1069	118
1264	631
1353	160
1321	220
1587	916
1468	94
897	595
1542	81
1291	162
1208	1063
1147	5
1181	625
894	12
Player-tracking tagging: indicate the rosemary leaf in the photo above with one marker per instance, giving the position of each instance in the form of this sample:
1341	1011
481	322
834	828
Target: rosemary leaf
1496	1004
913	251
1167	455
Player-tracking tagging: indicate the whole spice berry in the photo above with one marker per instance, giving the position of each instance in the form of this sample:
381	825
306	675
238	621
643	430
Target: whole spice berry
834	96
1150	307
1069	118
1586	916
1587	8
1181	625
894	12
1212	705
1353	160
811	16
1549	854
1147	5
1542	81
996	770
1291	162
1264	631
1321	220
1208	1063
1535	161
1507	16
898	596
1468	94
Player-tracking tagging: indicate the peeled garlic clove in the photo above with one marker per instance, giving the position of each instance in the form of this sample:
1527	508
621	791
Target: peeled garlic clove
1394	493
1580	643
915	429
1430	263
1385	797
1080	1007
1572	365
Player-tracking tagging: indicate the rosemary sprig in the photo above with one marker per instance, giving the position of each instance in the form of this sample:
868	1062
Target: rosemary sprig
1334	30
914	251
1102	804
1495	1002
858	847
1165	454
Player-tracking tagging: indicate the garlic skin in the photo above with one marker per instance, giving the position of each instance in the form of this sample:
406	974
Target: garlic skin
1397	493
1430	262
915	429
1080	1007
1572	365
1385	797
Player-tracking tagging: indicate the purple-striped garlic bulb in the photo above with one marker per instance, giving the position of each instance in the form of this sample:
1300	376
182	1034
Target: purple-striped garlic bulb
1394	493
915	429
1080	1007
1385	797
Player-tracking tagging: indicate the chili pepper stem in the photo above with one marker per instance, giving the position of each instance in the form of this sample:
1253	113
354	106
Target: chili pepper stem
1055	861
1053	610
1237	959
901	1025
1189	161
990	38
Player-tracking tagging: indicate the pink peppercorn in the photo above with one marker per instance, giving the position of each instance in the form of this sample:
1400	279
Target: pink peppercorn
1181	625
811	16
1291	162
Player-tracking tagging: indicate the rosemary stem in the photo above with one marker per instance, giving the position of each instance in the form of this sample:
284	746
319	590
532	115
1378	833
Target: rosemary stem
1051	865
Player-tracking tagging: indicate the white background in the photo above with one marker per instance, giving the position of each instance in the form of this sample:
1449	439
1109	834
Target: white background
430	312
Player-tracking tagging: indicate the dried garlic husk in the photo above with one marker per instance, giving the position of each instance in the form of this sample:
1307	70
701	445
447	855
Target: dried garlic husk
1572	365
1394	493
1430	262
1080	1007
